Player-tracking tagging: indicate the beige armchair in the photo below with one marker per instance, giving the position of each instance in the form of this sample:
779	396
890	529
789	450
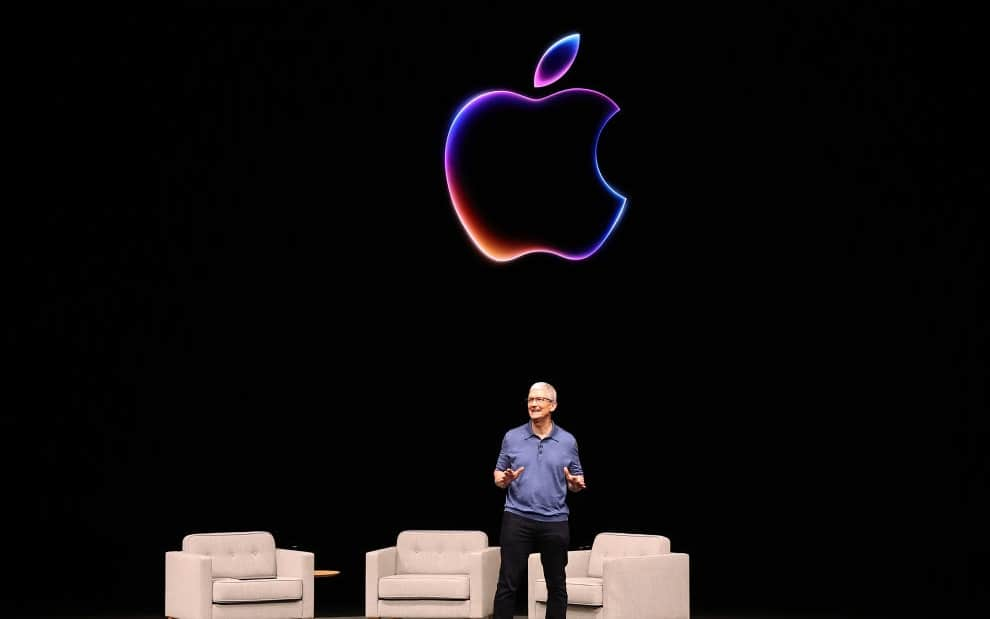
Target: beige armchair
432	574
623	576
237	576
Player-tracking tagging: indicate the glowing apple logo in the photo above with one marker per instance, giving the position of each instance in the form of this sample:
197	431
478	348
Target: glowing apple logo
523	173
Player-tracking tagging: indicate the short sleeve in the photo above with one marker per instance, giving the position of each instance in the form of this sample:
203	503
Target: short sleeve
504	460
575	466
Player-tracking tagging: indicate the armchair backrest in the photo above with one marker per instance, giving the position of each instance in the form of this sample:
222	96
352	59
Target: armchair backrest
235	555
437	552
610	545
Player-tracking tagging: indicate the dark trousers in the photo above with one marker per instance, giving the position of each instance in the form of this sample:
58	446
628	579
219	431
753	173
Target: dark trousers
520	537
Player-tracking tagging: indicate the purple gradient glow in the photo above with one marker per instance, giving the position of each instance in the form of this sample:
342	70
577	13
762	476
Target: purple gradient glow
556	60
499	249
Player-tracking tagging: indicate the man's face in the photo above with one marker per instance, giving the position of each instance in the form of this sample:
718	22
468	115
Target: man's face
540	403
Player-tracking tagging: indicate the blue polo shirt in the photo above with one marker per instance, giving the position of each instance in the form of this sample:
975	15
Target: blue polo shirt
540	493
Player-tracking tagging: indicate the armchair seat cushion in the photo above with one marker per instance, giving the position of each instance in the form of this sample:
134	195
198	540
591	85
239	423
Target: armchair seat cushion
239	591
586	591
425	587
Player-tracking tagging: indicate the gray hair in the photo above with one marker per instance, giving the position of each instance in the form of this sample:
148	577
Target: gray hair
548	387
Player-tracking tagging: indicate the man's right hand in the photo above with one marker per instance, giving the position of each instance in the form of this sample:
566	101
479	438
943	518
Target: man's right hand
506	477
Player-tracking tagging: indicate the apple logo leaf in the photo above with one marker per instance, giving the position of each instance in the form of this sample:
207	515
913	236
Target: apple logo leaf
556	60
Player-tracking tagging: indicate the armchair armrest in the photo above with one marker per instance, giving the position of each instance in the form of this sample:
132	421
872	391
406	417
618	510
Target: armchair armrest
577	563
647	586
577	567
377	563
188	585
298	564
483	572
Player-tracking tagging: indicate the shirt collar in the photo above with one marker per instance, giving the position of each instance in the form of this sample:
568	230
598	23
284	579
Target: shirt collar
532	434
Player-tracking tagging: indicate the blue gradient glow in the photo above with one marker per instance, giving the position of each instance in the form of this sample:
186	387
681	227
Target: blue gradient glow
556	60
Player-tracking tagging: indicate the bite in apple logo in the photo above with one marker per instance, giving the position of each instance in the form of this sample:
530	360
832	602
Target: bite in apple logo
523	173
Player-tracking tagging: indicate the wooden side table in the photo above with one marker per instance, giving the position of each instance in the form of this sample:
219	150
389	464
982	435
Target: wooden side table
317	574
325	573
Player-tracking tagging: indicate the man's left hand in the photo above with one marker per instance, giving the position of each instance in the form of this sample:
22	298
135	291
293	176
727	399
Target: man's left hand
575	483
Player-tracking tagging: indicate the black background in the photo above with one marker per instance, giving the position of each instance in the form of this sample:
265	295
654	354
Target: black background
243	300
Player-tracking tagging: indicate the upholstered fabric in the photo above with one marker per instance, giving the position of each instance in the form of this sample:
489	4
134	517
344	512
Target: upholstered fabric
188	585
638	577
263	610
427	609
580	591
238	576
298	564
649	586
437	552
235	555
584	612
612	545
432	574
236	591
425	586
